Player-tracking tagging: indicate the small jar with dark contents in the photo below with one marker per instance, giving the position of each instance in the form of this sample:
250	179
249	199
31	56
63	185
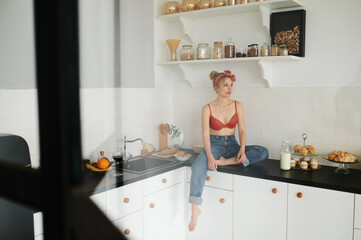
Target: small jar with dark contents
229	49
254	50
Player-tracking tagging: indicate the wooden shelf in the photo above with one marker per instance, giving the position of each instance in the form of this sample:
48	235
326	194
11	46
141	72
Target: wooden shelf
245	59
265	64
229	10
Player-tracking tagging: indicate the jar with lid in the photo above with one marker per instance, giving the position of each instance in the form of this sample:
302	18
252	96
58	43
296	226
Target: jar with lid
283	50
264	50
285	158
203	51
254	50
274	50
249	50
187	53
218	50
229	49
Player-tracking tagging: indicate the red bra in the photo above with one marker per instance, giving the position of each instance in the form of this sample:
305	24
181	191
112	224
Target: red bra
217	125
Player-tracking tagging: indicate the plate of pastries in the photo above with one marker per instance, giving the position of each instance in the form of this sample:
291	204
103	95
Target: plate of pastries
305	151
342	157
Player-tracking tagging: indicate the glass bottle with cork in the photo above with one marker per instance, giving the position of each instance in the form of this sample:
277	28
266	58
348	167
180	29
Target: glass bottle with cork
285	158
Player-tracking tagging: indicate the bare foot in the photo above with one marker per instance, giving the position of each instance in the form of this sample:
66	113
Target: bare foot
228	161
221	161
195	214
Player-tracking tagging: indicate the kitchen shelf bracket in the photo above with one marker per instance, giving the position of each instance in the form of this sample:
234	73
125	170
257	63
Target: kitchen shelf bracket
187	26
187	69
265	14
266	69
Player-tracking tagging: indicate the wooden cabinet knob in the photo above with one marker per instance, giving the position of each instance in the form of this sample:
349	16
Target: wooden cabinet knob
126	231
126	200
208	178
222	200
164	180
274	190
299	195
151	205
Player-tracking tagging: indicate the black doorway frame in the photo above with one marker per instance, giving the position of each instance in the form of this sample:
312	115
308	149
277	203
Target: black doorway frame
55	188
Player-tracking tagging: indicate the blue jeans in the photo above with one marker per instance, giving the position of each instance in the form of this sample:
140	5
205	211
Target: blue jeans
221	146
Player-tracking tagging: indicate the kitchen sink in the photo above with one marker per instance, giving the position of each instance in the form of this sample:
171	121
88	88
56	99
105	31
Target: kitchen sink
144	164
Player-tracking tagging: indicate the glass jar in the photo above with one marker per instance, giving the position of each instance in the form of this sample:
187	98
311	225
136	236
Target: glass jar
264	50
229	49
244	1
283	50
274	50
203	51
249	50
232	2
187	53
240	52
218	50
254	50
285	158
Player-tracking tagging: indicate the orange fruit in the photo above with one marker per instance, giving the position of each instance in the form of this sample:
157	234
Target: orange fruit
103	163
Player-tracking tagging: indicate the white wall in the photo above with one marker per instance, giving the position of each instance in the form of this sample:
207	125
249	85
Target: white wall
332	59
17	54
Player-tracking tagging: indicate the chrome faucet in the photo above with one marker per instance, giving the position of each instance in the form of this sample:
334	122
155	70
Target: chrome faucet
125	157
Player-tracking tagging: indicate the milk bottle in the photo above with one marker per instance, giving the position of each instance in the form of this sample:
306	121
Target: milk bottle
285	159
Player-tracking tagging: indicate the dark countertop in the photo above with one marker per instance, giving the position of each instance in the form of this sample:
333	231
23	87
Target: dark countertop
269	169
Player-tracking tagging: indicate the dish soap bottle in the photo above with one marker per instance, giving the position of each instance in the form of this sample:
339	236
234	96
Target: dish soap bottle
285	159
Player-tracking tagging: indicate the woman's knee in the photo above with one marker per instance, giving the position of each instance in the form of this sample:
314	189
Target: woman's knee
200	162
257	153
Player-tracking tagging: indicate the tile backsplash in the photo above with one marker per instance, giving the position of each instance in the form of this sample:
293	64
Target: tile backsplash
331	117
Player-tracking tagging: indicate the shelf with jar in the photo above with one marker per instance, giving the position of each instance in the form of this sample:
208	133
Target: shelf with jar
240	59
265	7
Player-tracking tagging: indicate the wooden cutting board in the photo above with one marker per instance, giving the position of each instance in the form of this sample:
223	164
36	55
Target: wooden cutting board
166	153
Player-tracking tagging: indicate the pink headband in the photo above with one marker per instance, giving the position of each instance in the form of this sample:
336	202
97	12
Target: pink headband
226	73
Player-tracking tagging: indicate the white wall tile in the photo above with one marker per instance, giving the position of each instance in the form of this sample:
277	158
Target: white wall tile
350	105
348	129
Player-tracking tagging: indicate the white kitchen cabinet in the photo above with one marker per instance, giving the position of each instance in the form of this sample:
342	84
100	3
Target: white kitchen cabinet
357	234
100	200
215	221
162	181
260	209
358	211
316	213
124	200
131	225
163	214
215	179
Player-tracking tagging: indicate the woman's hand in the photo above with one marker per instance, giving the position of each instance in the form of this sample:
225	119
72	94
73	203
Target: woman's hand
241	157
212	165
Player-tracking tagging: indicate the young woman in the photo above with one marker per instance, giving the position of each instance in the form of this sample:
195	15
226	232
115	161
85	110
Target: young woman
219	120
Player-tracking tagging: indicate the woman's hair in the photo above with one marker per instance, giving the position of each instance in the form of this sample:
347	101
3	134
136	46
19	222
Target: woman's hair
213	76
